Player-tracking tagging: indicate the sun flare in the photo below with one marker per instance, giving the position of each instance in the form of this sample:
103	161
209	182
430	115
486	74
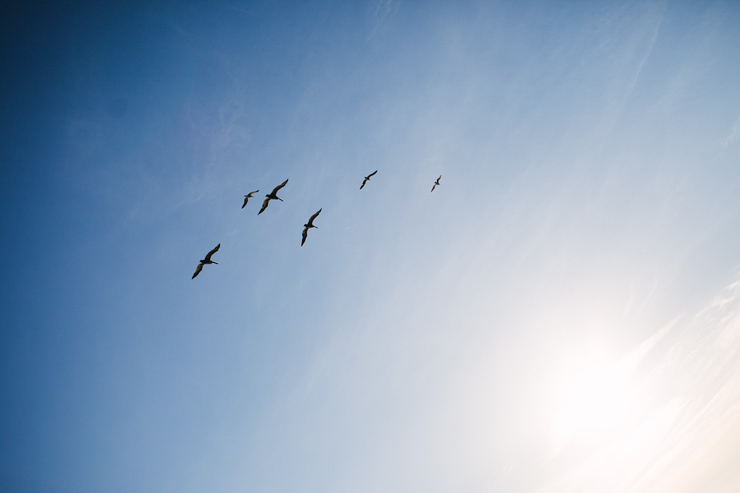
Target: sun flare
597	404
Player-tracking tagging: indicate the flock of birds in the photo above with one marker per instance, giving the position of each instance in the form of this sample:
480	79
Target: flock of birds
273	196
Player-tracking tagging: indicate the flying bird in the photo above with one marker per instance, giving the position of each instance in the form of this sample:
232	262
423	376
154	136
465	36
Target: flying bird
271	196
367	178
206	260
436	183
308	226
247	197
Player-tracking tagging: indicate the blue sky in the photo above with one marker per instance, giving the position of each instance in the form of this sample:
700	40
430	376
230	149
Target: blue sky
561	314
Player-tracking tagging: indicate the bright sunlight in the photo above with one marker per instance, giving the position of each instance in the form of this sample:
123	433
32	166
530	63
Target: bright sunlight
597	404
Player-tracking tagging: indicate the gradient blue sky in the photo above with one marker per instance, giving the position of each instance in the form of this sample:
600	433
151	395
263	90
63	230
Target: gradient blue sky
561	314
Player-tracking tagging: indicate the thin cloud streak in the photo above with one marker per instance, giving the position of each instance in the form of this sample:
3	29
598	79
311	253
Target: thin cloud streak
383	11
732	136
648	51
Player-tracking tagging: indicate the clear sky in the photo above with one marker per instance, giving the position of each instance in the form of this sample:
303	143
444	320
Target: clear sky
562	313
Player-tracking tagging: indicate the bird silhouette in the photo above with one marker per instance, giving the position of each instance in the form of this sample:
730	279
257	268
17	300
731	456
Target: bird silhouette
272	196
247	197
436	183
206	260
308	226
367	178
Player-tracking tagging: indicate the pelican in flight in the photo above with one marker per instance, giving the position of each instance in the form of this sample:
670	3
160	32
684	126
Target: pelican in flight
271	196
206	260
247	197
308	226
367	178
436	183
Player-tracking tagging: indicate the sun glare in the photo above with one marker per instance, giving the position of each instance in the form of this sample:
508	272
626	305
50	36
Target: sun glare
597	404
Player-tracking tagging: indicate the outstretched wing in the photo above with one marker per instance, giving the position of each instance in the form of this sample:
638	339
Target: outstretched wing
305	235
264	206
310	221
197	270
248	196
436	183
275	190
367	178
208	257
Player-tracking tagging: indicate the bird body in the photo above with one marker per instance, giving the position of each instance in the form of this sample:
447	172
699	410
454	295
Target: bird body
436	183
272	196
308	226
247	197
206	260
367	178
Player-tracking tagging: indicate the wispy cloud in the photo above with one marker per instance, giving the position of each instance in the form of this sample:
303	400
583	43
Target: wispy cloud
648	51
638	354
633	52
732	136
383	11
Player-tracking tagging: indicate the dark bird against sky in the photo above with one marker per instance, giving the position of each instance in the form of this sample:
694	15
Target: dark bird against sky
436	183
247	197
367	178
308	226
206	260
271	196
